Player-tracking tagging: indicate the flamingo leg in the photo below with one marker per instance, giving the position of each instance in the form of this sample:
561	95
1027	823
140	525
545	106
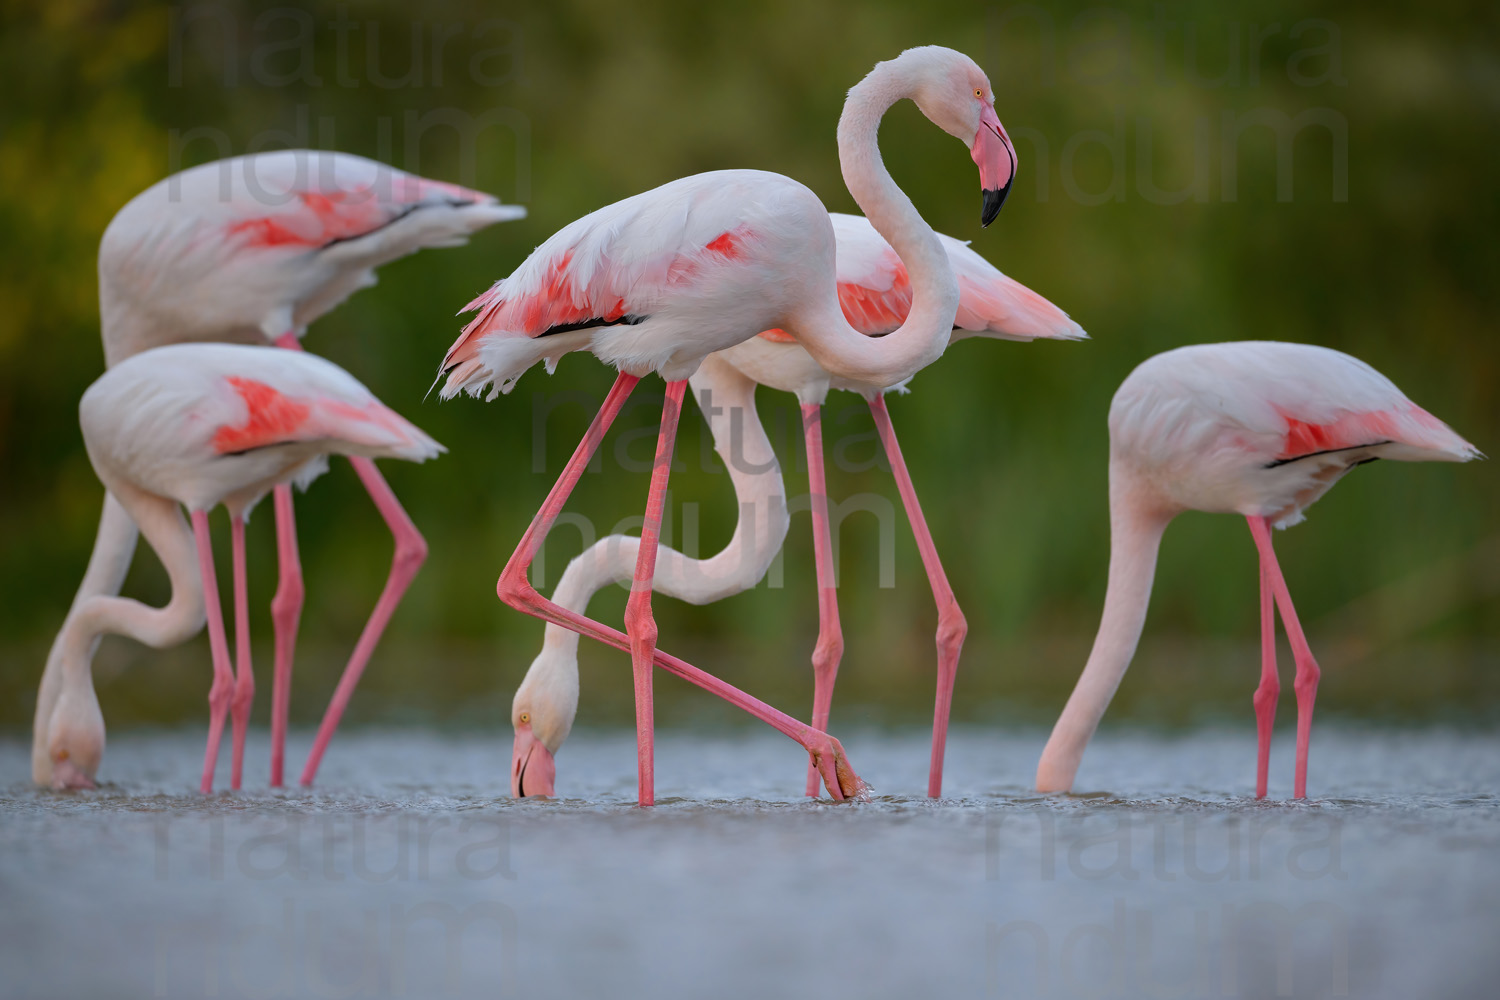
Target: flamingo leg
1270	685
220	693
286	614
244	683
1306	684
952	627
516	590
830	647
410	554
640	624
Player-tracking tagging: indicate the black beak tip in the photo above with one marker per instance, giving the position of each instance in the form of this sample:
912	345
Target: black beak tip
990	207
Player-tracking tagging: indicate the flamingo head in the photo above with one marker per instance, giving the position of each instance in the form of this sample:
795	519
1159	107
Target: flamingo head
74	744
955	95
542	715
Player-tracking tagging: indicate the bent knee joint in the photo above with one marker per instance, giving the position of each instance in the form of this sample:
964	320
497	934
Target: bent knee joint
411	551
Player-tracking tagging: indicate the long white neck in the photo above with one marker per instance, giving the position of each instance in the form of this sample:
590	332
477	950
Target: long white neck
1136	528
820	325
727	399
114	547
97	611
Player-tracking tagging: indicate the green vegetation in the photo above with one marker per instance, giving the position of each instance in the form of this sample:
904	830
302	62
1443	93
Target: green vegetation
1370	229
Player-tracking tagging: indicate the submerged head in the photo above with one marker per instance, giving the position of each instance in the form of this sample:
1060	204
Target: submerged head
955	95
542	715
74	742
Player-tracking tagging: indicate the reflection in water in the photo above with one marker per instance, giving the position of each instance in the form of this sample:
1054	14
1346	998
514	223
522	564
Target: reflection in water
410	872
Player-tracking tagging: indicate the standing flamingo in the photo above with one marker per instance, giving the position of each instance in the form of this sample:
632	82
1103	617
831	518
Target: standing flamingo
199	425
253	249
659	281
1259	429
875	295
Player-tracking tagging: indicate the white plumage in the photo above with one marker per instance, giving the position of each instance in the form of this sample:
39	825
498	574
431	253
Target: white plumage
1265	428
205	424
1260	429
250	248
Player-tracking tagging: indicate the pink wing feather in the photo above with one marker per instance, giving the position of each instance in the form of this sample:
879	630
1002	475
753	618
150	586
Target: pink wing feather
304	199
875	291
616	265
273	417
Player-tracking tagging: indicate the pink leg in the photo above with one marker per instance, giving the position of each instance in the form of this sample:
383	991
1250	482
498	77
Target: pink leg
952	627
830	647
640	625
1306	684
516	590
221	691
411	552
286	613
1270	684
244	684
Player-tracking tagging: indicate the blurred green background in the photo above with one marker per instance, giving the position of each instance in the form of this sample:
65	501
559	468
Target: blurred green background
1372	231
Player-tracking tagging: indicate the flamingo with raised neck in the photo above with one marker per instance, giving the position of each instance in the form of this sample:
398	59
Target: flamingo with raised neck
661	280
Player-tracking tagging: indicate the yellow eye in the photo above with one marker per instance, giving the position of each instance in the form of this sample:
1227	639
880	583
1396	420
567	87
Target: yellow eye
525	716
979	93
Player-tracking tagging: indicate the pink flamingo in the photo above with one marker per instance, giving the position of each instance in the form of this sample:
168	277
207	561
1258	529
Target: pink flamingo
875	295
251	250
659	281
1258	429
199	425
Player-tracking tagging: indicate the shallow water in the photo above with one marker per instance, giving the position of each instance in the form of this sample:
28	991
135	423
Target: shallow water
410	872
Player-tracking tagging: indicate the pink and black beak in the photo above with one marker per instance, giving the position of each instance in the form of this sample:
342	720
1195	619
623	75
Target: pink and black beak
996	158
532	769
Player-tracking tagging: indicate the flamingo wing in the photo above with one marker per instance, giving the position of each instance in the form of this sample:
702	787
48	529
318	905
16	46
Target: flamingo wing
875	291
619	265
992	304
272	417
307	200
1277	402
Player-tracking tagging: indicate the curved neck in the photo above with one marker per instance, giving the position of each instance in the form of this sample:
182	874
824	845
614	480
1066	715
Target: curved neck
726	398
114	546
99	612
921	339
1136	525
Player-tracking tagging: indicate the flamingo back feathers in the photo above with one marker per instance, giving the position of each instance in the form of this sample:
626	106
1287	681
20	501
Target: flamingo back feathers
619	265
875	291
1272	402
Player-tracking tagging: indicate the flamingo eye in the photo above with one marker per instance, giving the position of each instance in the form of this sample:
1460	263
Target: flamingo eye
979	93
525	716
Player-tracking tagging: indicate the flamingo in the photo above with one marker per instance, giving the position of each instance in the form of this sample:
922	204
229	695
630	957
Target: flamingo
251	250
1259	429
661	280
200	425
875	295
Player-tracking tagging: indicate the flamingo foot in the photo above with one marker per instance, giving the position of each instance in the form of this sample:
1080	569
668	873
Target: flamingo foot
829	759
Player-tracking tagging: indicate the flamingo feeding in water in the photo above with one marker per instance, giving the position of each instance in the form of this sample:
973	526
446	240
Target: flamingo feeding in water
252	249
875	295
659	281
1259	429
200	425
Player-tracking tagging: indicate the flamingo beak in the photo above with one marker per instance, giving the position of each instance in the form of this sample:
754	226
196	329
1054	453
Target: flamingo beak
996	157
532	769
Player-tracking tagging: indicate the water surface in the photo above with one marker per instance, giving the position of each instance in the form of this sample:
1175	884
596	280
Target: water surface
410	872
